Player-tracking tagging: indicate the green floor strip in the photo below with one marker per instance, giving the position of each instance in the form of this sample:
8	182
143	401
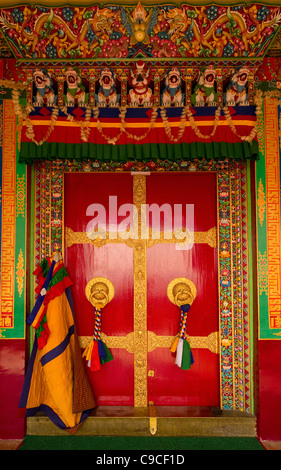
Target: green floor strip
139	443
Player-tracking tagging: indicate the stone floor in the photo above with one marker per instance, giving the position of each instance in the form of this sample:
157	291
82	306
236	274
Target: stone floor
132	421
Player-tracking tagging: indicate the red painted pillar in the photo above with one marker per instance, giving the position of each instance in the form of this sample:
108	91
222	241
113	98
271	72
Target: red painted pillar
269	419
12	371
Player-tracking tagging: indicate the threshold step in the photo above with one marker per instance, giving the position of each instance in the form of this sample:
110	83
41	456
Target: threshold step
167	421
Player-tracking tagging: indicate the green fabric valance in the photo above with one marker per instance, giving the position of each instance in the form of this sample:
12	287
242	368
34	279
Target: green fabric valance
141	152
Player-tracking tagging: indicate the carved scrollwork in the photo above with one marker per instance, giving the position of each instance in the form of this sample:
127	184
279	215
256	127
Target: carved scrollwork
209	237
154	341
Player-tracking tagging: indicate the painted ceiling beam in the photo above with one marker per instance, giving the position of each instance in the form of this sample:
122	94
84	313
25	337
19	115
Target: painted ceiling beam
159	31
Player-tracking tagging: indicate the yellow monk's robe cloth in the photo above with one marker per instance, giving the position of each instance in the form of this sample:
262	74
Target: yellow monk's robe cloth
56	382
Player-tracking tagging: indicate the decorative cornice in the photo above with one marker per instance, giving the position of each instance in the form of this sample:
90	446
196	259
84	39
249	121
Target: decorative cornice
140	31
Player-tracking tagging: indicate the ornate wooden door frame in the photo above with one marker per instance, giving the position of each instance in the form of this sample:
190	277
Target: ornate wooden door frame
233	264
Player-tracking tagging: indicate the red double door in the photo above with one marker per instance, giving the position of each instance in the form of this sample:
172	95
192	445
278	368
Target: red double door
165	382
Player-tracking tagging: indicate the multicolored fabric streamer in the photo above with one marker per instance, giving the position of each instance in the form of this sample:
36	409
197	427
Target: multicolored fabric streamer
55	381
184	357
97	353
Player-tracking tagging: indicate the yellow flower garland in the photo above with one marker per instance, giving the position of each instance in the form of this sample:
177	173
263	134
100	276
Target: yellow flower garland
249	138
30	131
110	140
151	125
85	129
167	126
187	112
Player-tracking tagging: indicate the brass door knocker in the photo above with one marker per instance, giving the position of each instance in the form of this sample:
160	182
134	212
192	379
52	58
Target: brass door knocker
99	291
182	292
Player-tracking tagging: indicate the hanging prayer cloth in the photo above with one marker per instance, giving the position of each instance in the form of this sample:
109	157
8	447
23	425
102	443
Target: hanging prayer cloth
55	382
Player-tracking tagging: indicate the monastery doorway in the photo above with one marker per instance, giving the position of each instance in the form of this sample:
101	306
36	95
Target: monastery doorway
141	322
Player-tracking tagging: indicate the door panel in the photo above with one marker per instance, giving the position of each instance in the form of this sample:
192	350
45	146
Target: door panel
167	383
170	386
114	383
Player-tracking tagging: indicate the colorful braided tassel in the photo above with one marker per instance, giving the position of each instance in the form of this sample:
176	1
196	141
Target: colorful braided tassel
184	357
97	353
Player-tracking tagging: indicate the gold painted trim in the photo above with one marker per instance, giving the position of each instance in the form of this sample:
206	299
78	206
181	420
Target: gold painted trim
74	238
210	342
122	342
140	299
261	202
273	211
209	237
152	418
127	342
7	199
58	3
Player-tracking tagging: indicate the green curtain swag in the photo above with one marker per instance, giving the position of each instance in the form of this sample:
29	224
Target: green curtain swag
243	150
